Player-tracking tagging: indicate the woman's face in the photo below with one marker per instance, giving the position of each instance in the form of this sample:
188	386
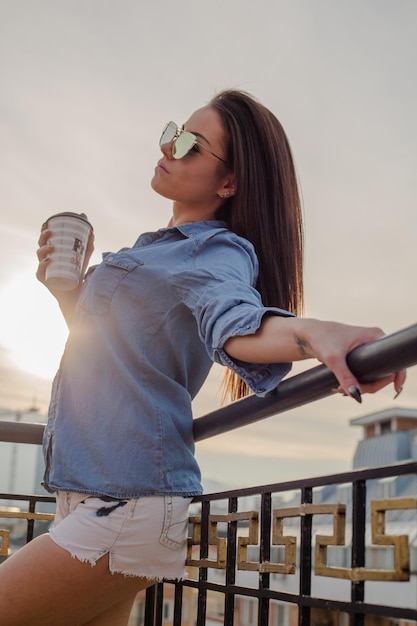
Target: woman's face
198	182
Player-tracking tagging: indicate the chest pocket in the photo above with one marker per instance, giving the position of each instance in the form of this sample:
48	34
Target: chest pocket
103	280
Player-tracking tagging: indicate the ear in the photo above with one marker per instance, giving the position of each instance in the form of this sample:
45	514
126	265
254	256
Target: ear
228	188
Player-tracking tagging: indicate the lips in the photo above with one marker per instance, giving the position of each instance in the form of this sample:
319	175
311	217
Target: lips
161	166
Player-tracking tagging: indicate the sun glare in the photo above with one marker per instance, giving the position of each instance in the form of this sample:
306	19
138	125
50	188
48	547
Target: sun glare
32	328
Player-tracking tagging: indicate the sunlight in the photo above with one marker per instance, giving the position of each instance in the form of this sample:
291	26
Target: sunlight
32	328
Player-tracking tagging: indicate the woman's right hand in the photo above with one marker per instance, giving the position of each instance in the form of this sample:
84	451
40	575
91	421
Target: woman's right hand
66	299
43	253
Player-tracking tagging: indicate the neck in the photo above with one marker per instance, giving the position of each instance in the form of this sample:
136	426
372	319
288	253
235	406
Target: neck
186	215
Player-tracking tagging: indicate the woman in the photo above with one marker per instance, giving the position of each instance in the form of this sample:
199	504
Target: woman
145	327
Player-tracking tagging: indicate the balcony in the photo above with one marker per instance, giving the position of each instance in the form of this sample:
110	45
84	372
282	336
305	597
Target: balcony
330	550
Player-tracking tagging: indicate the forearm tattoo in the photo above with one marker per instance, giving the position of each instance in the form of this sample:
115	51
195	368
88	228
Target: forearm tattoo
301	345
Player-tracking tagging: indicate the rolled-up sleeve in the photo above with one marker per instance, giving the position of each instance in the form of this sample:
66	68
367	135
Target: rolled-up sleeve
219	291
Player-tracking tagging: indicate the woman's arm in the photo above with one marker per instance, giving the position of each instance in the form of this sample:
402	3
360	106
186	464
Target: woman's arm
67	300
283	339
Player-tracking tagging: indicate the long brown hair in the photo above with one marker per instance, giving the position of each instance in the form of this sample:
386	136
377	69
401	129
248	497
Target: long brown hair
266	209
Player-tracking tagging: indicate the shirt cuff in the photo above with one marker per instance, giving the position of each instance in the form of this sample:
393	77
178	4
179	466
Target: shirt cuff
262	378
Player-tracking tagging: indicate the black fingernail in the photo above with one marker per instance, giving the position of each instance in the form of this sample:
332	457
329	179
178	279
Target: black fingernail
398	392
355	393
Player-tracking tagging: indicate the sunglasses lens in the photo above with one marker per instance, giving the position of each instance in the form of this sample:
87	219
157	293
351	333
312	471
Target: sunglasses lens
182	145
168	133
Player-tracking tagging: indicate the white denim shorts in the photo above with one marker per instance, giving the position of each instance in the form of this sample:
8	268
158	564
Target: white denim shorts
144	537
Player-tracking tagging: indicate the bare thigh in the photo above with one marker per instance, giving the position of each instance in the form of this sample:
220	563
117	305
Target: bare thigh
117	615
43	585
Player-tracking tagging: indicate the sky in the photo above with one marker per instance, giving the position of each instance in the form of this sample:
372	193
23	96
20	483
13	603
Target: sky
85	89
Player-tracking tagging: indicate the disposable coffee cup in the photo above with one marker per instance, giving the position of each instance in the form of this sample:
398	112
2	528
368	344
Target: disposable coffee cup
69	237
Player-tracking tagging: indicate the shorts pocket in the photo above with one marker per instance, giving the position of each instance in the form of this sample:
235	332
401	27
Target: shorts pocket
174	531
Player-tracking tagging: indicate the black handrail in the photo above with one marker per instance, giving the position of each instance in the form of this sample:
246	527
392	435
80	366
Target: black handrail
21	432
372	361
369	362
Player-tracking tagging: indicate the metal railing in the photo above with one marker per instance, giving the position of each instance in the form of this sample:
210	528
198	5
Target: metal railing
370	362
283	547
262	572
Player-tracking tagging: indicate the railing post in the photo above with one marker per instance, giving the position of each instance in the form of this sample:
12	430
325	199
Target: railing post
265	556
305	558
358	546
229	601
31	522
178	595
202	574
159	603
149	618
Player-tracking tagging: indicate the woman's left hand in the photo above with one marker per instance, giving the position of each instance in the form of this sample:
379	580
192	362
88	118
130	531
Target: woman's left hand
281	339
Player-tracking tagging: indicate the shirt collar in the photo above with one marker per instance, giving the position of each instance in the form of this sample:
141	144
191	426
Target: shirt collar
195	228
192	229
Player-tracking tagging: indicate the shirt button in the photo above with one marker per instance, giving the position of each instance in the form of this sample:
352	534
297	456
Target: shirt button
247	327
261	389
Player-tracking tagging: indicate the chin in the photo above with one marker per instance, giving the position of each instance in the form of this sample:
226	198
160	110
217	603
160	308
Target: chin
156	186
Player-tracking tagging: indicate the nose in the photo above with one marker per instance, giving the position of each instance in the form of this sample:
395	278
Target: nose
166	149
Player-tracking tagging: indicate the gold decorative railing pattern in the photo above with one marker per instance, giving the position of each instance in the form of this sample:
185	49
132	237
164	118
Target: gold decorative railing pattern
400	543
4	545
5	534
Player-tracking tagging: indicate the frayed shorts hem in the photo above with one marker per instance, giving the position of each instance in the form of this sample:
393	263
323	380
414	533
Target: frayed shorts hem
93	561
144	537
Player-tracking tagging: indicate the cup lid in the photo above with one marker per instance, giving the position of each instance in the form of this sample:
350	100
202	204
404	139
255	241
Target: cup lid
80	216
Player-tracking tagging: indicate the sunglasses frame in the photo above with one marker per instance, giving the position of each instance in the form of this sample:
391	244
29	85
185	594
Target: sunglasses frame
180	131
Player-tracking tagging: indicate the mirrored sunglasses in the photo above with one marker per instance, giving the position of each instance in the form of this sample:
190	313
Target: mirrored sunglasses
182	141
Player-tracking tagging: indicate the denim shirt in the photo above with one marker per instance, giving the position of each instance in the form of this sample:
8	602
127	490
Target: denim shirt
149	322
